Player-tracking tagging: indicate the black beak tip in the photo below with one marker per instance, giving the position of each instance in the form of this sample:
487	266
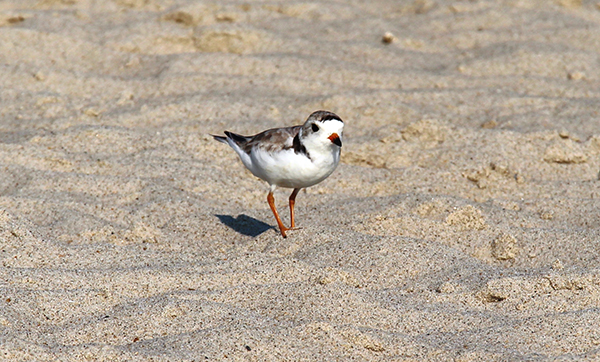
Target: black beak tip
338	142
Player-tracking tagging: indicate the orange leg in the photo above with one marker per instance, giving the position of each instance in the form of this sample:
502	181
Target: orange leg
271	201
292	202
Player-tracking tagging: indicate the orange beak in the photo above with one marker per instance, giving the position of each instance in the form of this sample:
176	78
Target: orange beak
334	138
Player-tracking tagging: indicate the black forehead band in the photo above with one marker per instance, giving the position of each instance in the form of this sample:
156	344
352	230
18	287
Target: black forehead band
330	117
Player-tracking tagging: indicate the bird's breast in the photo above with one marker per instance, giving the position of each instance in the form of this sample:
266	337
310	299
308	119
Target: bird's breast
289	169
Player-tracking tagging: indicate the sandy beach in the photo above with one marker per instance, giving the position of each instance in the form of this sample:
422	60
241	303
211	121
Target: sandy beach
462	224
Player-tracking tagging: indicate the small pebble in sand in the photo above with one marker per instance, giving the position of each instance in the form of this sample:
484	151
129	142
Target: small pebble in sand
388	38
576	76
15	19
180	17
40	76
92	112
489	124
519	178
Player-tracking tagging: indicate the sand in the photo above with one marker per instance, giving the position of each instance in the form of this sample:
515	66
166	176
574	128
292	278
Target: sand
462	224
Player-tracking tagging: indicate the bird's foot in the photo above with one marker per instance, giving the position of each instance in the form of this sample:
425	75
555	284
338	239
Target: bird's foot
284	230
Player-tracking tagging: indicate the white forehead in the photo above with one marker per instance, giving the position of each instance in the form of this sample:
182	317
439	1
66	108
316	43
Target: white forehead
331	125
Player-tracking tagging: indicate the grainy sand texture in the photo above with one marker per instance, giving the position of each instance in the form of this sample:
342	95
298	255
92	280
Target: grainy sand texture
462	224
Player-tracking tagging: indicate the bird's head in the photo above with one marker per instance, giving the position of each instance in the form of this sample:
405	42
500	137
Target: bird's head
323	129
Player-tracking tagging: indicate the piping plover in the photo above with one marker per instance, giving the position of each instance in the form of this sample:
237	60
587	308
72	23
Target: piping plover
292	157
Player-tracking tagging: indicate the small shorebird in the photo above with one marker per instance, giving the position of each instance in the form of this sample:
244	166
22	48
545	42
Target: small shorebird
292	157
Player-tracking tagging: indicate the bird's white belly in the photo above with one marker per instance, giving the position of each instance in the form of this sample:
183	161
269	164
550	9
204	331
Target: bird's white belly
289	169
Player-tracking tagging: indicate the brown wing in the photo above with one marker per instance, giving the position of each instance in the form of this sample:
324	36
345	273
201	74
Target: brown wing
270	140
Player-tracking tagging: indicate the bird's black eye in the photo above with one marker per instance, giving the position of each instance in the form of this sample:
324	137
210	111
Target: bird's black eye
315	128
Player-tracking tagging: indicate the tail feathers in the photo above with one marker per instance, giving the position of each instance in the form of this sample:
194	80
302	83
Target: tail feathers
220	138
239	139
236	138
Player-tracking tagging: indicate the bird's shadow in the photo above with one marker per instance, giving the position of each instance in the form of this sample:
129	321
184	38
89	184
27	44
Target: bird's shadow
245	224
